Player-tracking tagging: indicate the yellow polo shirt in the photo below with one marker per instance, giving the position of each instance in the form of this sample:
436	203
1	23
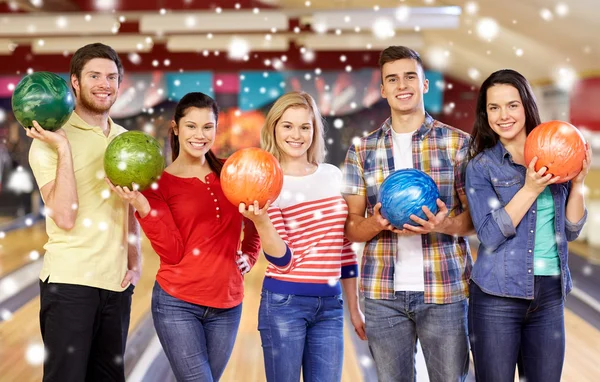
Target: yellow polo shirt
94	252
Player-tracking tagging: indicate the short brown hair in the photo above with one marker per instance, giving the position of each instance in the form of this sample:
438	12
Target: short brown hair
398	52
91	51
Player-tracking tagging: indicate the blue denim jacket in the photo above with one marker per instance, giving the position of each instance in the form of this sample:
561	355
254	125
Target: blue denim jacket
504	265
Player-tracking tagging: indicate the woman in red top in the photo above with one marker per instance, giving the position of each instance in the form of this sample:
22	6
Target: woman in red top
197	297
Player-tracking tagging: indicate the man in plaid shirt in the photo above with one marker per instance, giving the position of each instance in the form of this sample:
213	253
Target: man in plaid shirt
414	278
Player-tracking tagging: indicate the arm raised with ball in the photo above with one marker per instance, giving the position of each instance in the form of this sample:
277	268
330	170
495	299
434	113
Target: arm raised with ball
60	194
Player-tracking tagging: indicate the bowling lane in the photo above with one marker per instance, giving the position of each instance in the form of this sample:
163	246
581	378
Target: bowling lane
21	346
17	246
583	352
21	343
584	250
20	340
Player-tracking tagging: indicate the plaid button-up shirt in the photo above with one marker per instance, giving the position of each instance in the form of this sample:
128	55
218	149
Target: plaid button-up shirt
440	151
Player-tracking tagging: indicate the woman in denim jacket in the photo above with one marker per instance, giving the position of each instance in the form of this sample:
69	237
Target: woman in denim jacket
523	220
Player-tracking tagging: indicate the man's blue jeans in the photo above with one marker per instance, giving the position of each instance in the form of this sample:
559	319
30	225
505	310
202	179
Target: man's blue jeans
394	326
505	330
302	332
197	340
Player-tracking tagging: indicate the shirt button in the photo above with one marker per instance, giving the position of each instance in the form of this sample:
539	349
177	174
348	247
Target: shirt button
208	188
529	271
212	194
218	216
533	211
531	231
215	200
530	251
217	208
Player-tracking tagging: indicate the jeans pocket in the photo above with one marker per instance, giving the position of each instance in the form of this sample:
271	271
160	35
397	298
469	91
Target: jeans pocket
279	299
158	295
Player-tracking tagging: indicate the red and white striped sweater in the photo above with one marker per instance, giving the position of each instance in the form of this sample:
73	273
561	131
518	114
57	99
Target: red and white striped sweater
309	215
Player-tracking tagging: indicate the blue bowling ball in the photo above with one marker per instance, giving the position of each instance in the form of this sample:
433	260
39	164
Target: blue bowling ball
403	193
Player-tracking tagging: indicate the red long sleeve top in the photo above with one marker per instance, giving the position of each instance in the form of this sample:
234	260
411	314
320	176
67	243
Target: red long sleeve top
196	232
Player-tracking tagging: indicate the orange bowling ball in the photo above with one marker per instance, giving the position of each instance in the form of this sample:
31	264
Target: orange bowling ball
559	146
251	174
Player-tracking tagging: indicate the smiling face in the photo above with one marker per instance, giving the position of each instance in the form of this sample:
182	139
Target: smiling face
294	133
98	86
403	85
505	112
196	131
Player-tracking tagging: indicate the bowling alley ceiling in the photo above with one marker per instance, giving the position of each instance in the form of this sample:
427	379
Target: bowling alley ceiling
547	40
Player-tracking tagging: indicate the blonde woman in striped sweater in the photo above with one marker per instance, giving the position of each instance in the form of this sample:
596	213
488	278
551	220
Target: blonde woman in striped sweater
301	313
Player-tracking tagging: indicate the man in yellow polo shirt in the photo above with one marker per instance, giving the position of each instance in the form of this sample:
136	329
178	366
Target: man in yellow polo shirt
92	259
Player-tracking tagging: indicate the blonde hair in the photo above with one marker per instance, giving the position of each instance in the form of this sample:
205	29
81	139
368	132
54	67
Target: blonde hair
316	151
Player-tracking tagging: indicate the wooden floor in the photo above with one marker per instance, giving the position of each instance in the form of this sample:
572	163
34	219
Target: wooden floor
19	334
16	247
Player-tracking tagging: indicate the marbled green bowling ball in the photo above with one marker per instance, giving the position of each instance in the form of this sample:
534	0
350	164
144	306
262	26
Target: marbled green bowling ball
45	98
133	157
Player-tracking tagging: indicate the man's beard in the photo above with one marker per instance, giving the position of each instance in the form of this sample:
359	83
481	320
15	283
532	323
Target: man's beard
88	103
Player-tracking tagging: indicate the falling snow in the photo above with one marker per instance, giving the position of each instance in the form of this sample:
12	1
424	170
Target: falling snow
34	255
238	48
402	13
471	7
383	28
8	286
493	203
565	78
437	57
487	28
35	354
5	315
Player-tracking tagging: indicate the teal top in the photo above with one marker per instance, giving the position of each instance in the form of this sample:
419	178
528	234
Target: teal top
545	254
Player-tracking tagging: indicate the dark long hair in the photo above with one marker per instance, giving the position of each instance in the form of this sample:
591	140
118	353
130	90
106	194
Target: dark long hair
200	101
483	137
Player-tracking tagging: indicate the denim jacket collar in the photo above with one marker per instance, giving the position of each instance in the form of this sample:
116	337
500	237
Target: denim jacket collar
500	152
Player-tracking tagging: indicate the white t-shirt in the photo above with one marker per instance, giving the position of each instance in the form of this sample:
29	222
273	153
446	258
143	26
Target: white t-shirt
408	270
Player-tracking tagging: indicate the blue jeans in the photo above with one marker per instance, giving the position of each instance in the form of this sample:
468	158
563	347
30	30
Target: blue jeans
504	331
302	332
394	326
197	340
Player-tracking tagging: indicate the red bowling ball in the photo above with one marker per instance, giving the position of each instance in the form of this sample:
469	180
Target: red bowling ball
251	174
559	146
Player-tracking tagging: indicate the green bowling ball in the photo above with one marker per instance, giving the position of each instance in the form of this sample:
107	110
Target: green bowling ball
44	97
133	157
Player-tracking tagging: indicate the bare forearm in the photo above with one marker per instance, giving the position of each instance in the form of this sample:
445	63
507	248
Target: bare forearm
575	204
62	199
142	207
272	244
359	229
134	252
460	225
350	287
